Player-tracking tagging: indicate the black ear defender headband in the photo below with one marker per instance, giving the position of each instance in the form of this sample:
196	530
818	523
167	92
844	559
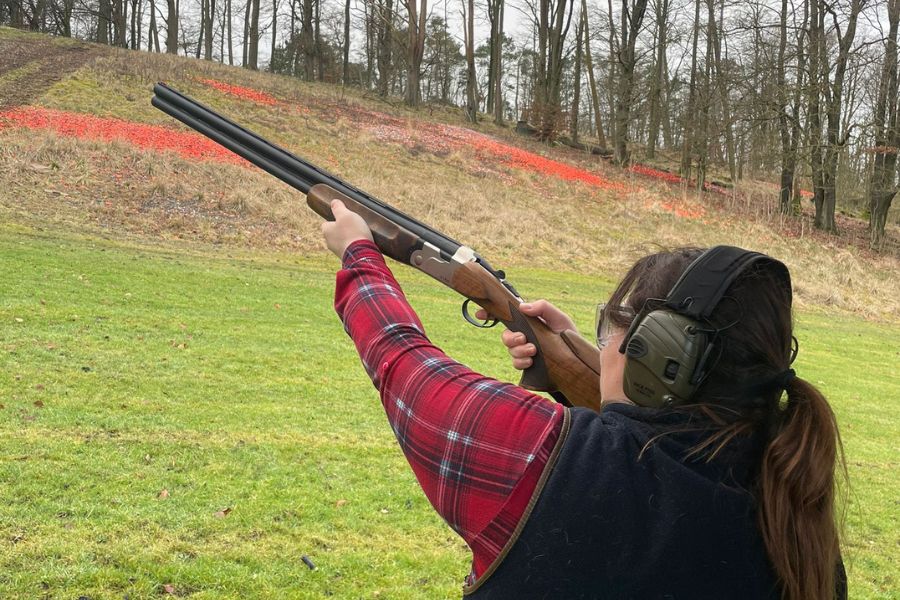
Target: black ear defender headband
671	346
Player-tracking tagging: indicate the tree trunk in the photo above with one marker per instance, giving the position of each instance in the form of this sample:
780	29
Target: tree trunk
245	45
137	17
345	70
882	184
308	41
120	22
317	44
687	148
469	41
493	14
721	82
553	26
825	212
702	140
172	27
229	32
274	30
203	9
385	24
631	25
253	45
498	67
660	74
153	32
210	6
416	33
576	84
787	160
595	98
103	19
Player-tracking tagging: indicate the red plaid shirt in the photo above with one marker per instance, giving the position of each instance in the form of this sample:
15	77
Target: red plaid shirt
477	446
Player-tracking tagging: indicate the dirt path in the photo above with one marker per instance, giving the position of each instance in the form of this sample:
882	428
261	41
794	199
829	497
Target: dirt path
29	67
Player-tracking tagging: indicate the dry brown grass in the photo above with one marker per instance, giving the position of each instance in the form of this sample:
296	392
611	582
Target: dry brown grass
117	189
519	220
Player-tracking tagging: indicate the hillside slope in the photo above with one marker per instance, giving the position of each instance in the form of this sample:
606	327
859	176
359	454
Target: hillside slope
515	201
181	413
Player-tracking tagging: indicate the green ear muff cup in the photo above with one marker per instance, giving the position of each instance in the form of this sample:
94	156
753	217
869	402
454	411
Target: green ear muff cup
662	354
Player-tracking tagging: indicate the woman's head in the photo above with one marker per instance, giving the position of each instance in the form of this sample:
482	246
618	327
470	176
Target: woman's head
741	395
650	277
749	328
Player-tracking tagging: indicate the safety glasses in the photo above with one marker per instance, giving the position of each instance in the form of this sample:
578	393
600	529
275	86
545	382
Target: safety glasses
609	319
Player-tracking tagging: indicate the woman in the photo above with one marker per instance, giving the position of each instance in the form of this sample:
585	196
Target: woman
728	494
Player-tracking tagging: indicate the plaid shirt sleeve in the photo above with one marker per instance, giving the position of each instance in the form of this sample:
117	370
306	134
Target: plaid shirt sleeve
478	447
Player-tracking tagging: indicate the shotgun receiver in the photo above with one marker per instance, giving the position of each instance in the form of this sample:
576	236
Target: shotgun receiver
566	365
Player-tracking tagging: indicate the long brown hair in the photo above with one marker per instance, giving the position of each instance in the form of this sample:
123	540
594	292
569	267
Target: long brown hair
795	487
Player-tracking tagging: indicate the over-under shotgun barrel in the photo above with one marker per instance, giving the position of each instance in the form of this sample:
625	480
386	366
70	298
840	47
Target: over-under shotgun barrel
277	161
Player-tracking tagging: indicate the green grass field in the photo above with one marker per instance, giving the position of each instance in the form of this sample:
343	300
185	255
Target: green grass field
195	417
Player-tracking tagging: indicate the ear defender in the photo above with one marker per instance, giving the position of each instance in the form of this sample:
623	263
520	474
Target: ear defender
662	355
669	345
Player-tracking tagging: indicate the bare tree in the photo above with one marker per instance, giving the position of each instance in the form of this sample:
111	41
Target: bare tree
832	91
631	18
576	84
171	26
253	41
345	70
416	48
788	122
469	42
882	183
104	17
659	75
384	19
689	121
595	98
552	21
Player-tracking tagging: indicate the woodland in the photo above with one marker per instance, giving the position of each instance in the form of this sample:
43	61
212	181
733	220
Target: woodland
802	93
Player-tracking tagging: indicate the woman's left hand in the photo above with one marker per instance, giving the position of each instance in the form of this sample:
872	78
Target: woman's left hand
347	227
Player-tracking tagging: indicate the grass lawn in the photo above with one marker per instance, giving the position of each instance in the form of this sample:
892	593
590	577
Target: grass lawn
194	417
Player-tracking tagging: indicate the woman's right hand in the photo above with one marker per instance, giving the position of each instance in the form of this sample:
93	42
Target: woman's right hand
519	348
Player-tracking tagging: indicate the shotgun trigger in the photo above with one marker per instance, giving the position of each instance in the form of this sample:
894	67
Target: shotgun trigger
487	324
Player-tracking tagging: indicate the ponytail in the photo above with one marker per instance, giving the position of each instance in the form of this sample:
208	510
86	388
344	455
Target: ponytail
797	493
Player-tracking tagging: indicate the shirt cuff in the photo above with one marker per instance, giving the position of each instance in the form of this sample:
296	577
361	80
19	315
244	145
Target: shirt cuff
360	249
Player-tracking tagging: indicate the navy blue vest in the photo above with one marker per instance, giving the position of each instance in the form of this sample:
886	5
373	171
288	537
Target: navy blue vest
608	524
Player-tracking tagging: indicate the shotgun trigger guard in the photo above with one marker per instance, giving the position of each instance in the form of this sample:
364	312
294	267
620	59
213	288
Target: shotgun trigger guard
468	317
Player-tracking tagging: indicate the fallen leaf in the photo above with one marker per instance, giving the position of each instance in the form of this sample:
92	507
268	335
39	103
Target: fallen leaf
221	514
277	306
169	589
19	320
39	386
340	502
163	494
39	403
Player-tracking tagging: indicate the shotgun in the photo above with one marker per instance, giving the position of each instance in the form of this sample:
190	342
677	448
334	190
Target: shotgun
566	365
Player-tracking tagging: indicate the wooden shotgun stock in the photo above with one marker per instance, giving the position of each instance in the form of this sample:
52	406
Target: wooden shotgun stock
565	362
